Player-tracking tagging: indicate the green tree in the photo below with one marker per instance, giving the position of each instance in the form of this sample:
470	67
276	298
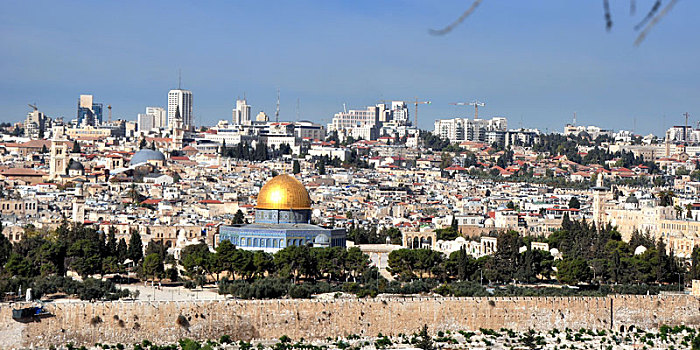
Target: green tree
696	343
695	264
5	248
445	160
238	218
226	256
665	198
461	265
76	147
505	261
262	263
197	261
294	262
85	258
321	166
18	265
152	266
571	271
402	264
355	263
135	251
426	341
574	203
111	245
122	250
296	168
157	247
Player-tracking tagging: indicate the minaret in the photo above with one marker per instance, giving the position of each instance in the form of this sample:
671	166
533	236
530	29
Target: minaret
78	204
599	195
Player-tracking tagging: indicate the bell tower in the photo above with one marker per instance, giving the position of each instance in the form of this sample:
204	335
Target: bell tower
59	158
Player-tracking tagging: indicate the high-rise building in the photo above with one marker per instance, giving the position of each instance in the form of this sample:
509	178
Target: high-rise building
465	129
89	112
241	114
160	116
145	122
357	123
36	123
683	133
182	100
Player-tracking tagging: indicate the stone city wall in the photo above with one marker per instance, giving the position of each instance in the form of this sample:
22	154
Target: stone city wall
128	322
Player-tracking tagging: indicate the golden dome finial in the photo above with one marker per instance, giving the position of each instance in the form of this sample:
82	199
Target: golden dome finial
283	192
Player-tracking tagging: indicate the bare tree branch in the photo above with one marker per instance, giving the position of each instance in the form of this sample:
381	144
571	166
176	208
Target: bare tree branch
654	21
608	17
457	22
648	22
650	15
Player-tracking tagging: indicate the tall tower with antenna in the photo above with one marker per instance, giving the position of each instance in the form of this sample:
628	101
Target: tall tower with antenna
180	100
277	111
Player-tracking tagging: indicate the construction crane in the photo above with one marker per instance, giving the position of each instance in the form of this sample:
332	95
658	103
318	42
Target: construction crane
415	116
415	102
474	103
33	106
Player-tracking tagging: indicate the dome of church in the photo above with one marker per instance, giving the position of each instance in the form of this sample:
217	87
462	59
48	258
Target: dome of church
75	165
632	200
145	155
283	192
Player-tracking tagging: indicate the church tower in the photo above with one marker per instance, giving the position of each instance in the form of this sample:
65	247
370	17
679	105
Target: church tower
178	132
59	158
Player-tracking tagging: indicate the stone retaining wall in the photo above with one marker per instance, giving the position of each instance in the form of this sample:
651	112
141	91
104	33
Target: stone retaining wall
128	322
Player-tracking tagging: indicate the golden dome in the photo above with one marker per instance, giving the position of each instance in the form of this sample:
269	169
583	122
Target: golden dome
283	192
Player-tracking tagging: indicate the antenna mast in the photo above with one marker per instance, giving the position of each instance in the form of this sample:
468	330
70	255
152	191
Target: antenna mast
685	130
277	112
297	109
179	79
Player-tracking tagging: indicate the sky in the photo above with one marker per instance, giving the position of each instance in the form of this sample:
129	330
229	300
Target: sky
534	62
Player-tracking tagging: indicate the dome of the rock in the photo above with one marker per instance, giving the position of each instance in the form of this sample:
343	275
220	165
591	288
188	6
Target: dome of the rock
283	192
